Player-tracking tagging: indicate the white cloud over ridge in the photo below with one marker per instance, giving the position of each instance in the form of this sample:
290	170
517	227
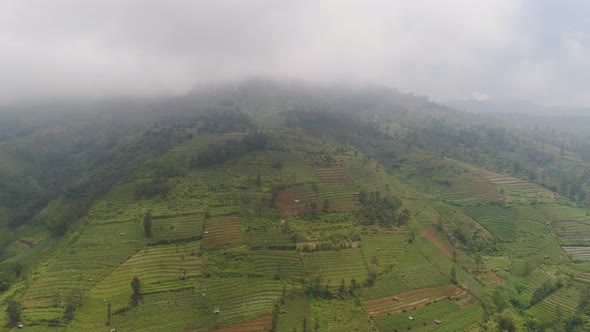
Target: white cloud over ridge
61	49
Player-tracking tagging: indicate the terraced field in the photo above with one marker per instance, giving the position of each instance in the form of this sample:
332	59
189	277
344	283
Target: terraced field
273	238
499	221
97	252
299	199
221	231
160	269
337	315
561	302
387	247
278	264
177	228
335	184
409	300
238	299
295	311
333	266
414	272
452	316
582	253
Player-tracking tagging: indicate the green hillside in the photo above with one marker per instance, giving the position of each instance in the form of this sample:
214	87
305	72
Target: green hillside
320	215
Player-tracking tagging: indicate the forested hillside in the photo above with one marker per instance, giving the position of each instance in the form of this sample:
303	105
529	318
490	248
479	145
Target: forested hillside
267	206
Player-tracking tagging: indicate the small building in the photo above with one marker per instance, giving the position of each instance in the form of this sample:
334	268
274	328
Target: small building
206	232
410	318
216	311
436	321
112	330
20	326
395	298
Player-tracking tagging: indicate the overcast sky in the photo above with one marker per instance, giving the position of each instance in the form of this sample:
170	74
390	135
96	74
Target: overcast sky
537	50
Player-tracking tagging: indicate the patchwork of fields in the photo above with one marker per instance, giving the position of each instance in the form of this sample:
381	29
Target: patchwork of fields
238	247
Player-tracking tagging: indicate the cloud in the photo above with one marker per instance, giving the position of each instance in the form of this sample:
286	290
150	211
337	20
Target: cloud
93	49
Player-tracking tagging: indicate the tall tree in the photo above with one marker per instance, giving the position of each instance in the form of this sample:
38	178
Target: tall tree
13	311
147	223
136	288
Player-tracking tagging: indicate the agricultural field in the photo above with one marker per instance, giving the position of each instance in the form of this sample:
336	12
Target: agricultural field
452	316
99	250
278	264
238	299
415	271
337	315
559	303
335	265
222	231
177	228
293	313
387	247
498	220
410	300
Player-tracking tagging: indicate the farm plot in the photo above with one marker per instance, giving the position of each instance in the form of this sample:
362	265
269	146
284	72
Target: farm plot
274	238
263	323
278	264
572	232
98	251
499	221
337	187
387	247
177	308
177	228
238	299
161	268
332	230
452	316
409	300
581	253
565	300
295	311
221	231
299	199
333	266
367	174
415	271
337	315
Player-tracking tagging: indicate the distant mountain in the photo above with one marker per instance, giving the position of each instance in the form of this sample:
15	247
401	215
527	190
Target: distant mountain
514	107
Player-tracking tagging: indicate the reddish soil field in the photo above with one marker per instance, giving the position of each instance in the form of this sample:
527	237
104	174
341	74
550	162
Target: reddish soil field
289	202
490	277
256	325
417	298
431	236
487	191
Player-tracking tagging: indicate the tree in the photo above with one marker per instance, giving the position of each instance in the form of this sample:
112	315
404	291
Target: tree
136	288
147	223
326	204
13	311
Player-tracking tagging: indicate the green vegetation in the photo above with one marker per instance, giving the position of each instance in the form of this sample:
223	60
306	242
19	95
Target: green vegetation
351	212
